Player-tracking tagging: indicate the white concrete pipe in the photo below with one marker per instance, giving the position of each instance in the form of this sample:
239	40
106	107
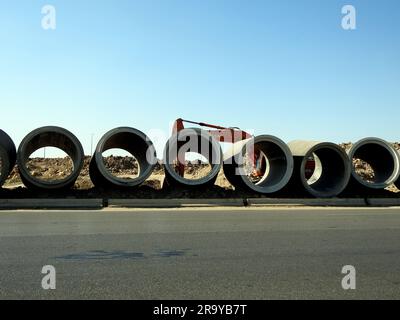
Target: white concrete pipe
278	164
383	159
50	137
196	141
332	168
128	139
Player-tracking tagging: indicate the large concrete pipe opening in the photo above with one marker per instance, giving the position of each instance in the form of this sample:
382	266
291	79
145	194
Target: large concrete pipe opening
136	167
192	157
322	168
55	137
381	160
8	156
263	164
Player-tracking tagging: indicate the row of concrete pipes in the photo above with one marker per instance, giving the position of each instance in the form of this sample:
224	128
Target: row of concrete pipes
285	164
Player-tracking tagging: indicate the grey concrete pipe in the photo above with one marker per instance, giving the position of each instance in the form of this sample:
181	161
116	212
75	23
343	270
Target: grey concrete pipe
131	140
331	168
8	156
383	159
50	137
197	141
279	164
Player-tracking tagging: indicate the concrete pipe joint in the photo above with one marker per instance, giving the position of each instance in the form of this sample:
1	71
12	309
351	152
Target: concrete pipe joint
201	149
382	158
8	156
50	137
322	168
272	175
128	139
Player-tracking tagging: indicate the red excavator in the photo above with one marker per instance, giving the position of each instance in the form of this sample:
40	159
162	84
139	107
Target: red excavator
224	134
233	135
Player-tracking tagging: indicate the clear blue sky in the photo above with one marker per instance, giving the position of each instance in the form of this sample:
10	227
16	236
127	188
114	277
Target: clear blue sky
285	68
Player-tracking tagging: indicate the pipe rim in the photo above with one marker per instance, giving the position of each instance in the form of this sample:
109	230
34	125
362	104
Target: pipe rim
346	164
120	181
289	165
8	154
215	168
78	164
396	164
5	166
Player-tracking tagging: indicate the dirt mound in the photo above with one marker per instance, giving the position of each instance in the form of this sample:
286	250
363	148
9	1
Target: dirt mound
124	167
362	167
13	178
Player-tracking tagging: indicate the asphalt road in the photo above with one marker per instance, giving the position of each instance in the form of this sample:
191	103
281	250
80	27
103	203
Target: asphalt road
201	254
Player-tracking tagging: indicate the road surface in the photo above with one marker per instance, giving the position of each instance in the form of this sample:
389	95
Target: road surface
201	253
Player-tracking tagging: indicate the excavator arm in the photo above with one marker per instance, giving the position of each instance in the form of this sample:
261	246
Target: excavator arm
221	134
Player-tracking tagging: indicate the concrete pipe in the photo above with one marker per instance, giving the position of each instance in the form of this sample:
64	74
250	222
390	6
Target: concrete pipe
50	137
196	141
383	159
128	139
328	165
8	156
277	170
